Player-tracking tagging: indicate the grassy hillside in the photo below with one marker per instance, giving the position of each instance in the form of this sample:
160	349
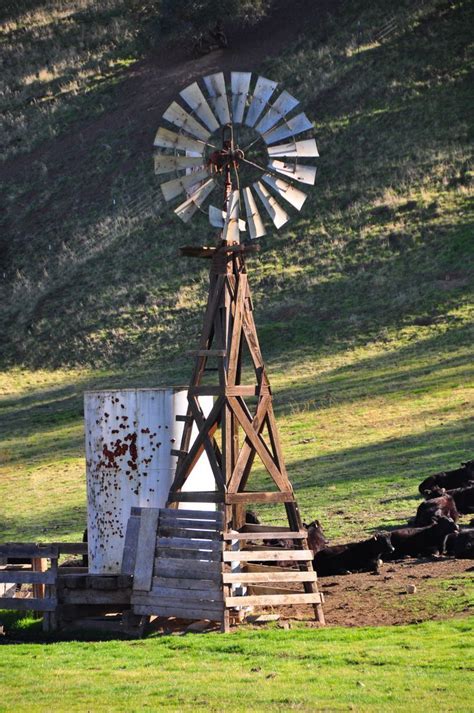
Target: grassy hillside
364	303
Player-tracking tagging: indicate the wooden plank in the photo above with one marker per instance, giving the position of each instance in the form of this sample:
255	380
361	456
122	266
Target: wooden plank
207	352
184	543
185	583
95	596
266	535
130	547
197	497
254	497
178	453
71	548
268	555
19	604
28	577
205	525
184	418
205	556
170	531
194	595
255	577
274	529
171	602
273	599
243	390
146	548
28	549
214	515
192	614
166	567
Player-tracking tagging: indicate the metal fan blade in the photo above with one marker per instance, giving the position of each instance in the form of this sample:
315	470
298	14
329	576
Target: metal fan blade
215	85
240	82
290	193
302	149
231	223
264	88
167	139
186	210
283	105
301	173
254	219
292	127
274	209
193	96
173	188
217	218
176	115
167	164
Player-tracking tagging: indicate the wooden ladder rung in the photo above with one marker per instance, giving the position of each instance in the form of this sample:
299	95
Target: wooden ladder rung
207	352
184	417
176	452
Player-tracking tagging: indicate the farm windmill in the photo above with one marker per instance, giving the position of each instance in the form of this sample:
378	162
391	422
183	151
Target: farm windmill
246	142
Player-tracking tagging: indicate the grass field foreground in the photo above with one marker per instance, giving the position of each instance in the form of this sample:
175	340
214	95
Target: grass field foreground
427	666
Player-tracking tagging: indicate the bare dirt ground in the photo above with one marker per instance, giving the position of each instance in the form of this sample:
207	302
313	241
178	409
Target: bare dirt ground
367	599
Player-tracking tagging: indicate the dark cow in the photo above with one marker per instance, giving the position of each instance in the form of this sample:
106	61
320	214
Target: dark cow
316	539
461	544
464	499
450	478
362	556
416	541
251	518
430	510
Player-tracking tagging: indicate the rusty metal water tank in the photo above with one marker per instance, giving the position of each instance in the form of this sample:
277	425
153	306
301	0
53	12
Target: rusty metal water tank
129	436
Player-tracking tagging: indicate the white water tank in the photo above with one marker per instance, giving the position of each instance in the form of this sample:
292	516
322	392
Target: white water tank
129	437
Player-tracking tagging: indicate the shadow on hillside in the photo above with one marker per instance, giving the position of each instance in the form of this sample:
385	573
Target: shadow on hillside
405	460
397	371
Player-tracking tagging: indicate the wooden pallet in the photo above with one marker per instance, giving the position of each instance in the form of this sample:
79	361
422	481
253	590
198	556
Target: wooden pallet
188	567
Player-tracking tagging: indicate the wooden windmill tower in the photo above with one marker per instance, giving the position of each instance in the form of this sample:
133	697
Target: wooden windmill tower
222	141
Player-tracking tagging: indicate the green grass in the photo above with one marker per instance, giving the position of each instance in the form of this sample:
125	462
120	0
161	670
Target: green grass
364	309
382	669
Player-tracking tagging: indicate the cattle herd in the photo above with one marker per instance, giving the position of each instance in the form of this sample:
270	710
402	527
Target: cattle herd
433	531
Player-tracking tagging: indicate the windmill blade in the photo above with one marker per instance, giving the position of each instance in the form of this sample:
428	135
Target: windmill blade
173	188
167	139
215	85
264	88
274	209
292	127
186	210
283	105
217	218
193	96
298	171
176	115
167	164
302	149
290	193
240	82
254	219
231	223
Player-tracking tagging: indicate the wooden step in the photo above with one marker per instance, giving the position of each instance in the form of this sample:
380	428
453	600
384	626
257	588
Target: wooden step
173	513
255	497
267	535
256	577
267	555
273	599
